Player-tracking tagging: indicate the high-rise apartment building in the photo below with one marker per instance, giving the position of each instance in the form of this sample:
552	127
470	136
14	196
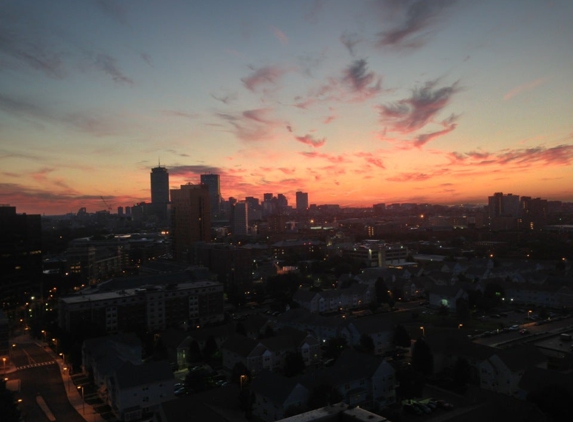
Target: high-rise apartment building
214	183
190	218
20	256
159	192
301	201
240	219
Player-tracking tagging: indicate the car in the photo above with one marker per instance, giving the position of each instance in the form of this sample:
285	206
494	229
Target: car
423	407
180	391
514	328
524	331
444	405
412	409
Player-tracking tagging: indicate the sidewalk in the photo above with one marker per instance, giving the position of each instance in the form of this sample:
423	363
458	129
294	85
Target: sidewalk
74	394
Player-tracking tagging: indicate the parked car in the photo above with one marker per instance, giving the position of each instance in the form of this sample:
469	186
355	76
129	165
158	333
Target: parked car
524	331
444	404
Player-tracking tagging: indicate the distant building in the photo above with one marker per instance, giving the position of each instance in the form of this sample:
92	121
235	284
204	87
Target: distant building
301	201
214	183
240	219
190	219
159	194
152	307
20	256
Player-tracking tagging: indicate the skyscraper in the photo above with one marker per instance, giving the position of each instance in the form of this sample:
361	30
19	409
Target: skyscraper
190	218
214	184
159	192
240	219
301	201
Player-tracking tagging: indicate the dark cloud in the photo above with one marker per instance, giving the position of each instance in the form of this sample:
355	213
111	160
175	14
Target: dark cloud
311	141
29	52
560	155
413	113
192	170
252	125
225	98
417	177
360	79
350	40
147	59
264	76
108	64
415	18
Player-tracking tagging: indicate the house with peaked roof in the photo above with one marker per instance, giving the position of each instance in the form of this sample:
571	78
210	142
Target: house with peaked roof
269	353
277	396
137	391
101	356
503	371
360	379
446	295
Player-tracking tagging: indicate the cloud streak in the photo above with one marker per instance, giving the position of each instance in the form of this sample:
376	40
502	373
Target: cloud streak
411	114
311	141
414	20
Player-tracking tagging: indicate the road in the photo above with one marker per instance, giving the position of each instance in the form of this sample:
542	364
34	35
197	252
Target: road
39	373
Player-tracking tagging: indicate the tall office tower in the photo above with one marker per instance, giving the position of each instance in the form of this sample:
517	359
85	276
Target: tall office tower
301	201
503	205
240	219
214	184
159	193
282	202
120	211
20	257
190	218
267	197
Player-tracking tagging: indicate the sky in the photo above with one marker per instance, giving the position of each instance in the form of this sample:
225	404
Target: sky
355	102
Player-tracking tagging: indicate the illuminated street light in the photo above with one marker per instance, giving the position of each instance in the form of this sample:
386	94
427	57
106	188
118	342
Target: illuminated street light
423	331
81	387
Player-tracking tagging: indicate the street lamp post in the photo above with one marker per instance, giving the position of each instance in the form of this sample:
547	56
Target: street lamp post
423	331
241	379
81	388
4	364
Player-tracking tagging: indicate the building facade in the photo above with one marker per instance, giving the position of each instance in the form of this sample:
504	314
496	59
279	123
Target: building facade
153	307
213	182
190	218
159	192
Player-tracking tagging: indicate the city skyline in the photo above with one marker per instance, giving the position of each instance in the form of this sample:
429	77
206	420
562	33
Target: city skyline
356	103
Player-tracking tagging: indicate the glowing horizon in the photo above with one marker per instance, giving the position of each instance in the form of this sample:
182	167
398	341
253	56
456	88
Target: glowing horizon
356	103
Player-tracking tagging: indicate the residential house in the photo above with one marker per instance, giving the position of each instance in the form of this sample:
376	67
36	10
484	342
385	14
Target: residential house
277	396
446	296
101	356
502	372
137	391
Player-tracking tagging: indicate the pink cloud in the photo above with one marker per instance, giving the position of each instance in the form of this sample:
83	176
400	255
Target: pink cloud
309	140
524	88
280	35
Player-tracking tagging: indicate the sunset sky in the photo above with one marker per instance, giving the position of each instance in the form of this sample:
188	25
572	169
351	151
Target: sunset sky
355	102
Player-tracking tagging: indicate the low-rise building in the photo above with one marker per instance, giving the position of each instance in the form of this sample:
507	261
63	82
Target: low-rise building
153	307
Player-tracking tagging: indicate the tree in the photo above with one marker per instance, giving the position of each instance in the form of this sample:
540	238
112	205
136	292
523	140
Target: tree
443	310
367	343
411	383
334	347
294	364
463	309
461	375
197	380
422	358
323	395
401	337
383	293
8	405
240	374
210	347
194	352
240	329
